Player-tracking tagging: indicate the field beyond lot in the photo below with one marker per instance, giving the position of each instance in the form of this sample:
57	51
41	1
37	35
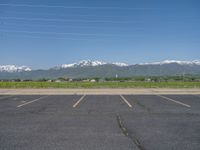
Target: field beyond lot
90	85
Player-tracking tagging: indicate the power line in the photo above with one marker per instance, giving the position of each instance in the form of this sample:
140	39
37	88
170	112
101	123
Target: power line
75	7
59	33
73	20
63	15
64	26
47	25
58	38
73	34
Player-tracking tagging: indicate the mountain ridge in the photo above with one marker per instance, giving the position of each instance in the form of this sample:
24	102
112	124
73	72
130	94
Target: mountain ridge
89	69
14	68
84	63
87	63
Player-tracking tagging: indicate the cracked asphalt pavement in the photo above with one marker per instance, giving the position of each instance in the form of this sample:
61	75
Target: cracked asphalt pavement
99	122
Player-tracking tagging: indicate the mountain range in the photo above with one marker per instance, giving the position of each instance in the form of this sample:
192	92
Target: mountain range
88	68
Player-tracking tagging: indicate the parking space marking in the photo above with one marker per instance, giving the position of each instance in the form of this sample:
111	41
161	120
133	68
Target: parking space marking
126	101
76	104
175	101
4	97
31	101
196	95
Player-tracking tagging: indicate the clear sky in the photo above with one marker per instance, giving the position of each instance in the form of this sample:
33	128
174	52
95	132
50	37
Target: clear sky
45	33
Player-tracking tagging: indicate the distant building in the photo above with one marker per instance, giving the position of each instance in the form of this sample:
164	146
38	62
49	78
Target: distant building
148	80
87	80
57	81
93	80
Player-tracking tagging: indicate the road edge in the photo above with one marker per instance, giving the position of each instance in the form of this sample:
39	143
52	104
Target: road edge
130	91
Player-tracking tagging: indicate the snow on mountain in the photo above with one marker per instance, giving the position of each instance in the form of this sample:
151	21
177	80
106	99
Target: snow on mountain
194	62
13	68
85	63
90	63
120	64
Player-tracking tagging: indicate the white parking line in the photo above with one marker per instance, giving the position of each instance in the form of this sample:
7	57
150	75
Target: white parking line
196	95
126	101
4	97
175	101
31	101
76	104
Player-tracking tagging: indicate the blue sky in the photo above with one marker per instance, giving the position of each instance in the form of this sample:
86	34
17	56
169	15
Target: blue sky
42	34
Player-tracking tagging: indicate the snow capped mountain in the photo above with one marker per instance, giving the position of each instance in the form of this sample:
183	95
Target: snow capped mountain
120	64
162	68
194	62
13	68
85	63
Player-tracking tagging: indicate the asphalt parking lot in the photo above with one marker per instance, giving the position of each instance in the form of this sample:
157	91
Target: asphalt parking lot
100	122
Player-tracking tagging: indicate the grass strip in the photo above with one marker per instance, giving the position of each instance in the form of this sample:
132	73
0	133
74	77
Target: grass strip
99	85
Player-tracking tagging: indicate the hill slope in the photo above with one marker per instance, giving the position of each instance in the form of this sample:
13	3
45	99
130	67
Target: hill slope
101	69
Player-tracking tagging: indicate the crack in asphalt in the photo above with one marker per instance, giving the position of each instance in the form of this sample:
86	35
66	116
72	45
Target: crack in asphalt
142	105
126	133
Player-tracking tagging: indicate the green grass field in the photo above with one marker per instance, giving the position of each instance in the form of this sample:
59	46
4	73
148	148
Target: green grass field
100	85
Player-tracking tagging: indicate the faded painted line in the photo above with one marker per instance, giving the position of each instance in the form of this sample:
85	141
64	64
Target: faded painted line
4	97
196	95
126	101
76	104
31	101
175	101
